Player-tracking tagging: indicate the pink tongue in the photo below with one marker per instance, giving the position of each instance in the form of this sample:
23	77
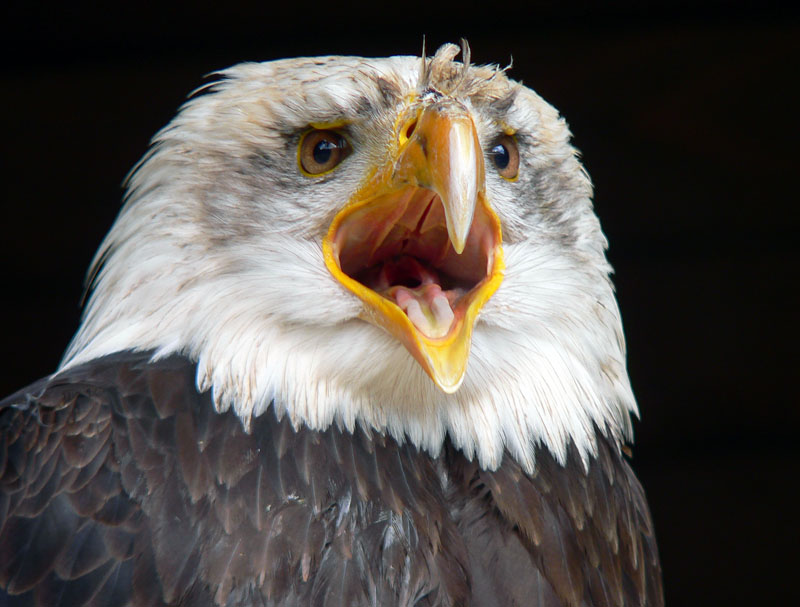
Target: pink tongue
426	305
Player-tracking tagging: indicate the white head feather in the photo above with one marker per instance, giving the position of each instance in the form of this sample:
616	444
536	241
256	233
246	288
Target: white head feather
217	255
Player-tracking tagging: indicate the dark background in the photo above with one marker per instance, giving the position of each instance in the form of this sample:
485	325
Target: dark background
686	116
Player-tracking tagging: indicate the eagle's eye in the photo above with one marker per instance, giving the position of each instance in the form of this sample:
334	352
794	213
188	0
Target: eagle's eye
505	156
320	151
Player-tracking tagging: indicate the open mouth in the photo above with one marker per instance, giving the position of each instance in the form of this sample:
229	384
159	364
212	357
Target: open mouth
398	246
419	244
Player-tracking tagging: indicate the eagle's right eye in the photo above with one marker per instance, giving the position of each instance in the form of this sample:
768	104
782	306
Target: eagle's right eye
320	151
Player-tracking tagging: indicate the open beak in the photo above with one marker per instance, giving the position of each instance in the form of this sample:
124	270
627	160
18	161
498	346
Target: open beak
419	243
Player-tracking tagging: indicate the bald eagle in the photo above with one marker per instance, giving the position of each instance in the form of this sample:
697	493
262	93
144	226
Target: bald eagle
351	341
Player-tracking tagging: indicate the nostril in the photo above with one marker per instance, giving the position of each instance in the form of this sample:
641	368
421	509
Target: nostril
410	128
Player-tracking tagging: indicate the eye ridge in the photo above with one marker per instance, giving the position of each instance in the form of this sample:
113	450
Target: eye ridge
504	153
320	151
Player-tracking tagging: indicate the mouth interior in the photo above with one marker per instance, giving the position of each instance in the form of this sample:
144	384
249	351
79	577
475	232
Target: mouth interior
398	246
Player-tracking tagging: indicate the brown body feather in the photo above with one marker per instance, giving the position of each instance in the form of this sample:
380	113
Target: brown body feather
120	485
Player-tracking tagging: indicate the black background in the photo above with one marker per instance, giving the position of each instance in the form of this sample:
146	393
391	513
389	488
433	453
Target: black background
685	114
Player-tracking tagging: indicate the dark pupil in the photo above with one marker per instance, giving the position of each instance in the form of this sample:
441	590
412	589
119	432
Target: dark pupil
500	155
323	150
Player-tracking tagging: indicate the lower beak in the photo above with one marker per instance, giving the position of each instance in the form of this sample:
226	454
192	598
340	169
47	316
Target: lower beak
419	243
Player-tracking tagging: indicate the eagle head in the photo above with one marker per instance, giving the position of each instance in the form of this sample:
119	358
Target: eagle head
406	244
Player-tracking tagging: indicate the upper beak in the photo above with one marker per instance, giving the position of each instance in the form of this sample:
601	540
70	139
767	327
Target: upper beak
443	154
419	243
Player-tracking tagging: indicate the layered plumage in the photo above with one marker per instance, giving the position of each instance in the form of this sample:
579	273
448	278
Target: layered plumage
226	428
